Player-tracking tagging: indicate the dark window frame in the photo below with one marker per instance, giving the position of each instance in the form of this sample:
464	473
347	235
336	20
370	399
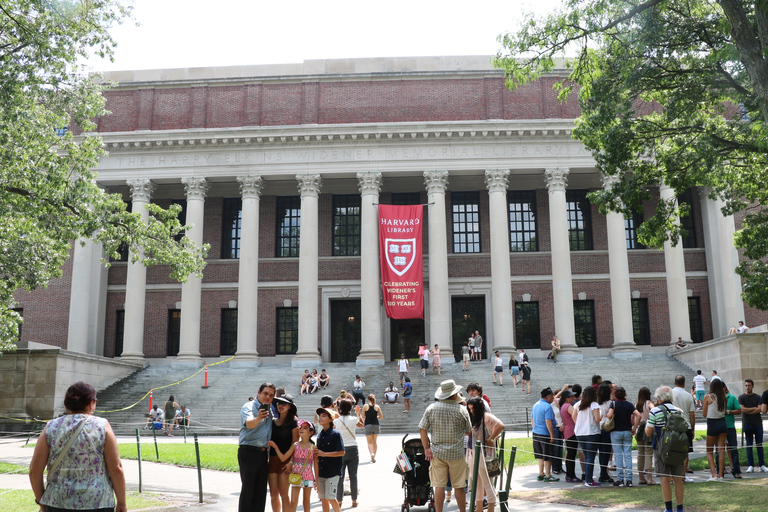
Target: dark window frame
346	218
174	332
630	230
287	244
523	225
231	227
119	332
465	222
579	218
522	318
641	322
228	334
584	322
688	223
405	198
694	319
287	330
182	217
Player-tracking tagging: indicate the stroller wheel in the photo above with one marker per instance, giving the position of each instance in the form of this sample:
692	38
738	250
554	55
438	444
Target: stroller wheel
431	506
403	508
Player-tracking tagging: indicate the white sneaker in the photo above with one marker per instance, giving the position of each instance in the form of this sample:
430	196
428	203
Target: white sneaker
750	469
721	479
763	469
688	480
712	479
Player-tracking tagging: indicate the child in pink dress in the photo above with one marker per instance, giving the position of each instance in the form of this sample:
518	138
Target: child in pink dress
304	463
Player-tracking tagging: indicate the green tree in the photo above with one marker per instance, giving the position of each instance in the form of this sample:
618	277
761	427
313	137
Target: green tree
48	191
673	91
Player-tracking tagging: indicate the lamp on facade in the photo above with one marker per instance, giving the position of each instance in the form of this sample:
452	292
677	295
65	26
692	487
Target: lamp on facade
351	319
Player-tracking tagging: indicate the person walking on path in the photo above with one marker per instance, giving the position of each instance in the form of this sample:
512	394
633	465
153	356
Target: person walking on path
371	416
424	359
357	389
346	424
330	452
514	369
526	369
402	368
465	355
752	425
656	421
437	364
255	434
407	393
699	381
442	429
498	369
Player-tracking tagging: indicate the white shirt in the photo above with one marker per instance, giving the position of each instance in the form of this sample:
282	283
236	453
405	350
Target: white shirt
585	421
402	365
683	401
425	355
699	380
346	426
183	414
499	362
742	329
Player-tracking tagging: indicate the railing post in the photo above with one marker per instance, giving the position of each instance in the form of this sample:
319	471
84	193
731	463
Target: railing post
199	471
138	455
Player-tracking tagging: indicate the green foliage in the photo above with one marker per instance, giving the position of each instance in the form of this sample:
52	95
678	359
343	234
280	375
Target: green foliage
23	500
48	191
670	91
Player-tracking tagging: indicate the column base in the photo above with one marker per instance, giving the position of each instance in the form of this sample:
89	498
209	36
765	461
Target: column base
246	360
626	350
370	357
307	358
570	355
188	360
504	352
134	358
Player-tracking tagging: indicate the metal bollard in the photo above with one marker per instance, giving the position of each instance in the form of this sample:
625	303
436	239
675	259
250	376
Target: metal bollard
138	452
199	472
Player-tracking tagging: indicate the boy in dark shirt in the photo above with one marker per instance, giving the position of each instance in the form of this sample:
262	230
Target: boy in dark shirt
330	450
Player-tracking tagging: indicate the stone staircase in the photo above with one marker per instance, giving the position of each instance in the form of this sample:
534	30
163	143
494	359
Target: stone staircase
215	410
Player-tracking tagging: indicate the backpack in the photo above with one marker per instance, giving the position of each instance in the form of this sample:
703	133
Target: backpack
673	439
487	399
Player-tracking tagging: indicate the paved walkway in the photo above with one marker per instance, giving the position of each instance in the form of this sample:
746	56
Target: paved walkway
380	488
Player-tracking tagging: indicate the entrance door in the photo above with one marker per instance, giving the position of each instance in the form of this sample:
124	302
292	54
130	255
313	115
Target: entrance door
406	337
345	331
468	316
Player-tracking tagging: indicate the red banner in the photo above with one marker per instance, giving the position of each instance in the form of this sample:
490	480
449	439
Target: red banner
400	246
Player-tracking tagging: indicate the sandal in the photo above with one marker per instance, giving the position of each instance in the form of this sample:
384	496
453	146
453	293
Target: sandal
354	503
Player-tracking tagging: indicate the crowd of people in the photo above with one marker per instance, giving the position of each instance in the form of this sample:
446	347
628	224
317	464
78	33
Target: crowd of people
171	417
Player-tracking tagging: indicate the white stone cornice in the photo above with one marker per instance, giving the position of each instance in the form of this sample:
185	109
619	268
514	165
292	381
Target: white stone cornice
195	187
609	180
309	184
141	189
250	186
369	183
556	179
436	181
496	180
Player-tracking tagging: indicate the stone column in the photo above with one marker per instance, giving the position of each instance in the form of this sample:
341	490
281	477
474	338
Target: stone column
722	258
501	287
677	288
248	277
439	322
191	291
307	354
621	295
81	299
372	350
136	281
562	286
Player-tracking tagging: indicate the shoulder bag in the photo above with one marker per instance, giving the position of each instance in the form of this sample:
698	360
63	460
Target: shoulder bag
67	446
297	478
609	424
491	463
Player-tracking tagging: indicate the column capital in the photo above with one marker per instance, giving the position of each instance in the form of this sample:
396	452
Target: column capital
609	180
195	187
369	183
141	189
496	180
250	186
309	184
556	179
436	181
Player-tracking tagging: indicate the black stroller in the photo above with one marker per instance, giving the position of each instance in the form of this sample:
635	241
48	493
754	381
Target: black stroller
416	485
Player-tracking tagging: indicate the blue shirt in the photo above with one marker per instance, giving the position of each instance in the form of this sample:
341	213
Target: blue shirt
329	440
541	412
260	435
407	390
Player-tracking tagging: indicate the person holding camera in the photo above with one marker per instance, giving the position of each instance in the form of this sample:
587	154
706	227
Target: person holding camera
255	433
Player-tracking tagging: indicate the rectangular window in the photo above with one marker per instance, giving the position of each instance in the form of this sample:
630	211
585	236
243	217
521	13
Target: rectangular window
465	207
232	212
630	228
182	216
579	215
688	223
174	331
122	250
228	332
694	319
288	226
346	225
641	326
522	220
119	332
406	198
527	331
287	330
584	322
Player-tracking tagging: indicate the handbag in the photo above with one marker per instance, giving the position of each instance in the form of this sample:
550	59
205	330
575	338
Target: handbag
640	436
491	463
297	478
609	424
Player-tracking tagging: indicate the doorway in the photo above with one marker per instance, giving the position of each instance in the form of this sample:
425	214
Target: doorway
346	338
406	337
468	314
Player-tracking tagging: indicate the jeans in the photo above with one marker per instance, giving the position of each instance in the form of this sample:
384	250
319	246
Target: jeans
733	448
605	454
588	446
571	449
350	460
754	430
622	452
557	451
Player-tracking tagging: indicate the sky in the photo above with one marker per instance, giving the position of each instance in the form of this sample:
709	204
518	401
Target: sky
198	33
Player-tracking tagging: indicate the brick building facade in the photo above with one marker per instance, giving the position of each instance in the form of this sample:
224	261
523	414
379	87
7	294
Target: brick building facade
257	154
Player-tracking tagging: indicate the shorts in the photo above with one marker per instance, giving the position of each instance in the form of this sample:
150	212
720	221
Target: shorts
515	370
403	375
700	395
424	364
543	447
326	487
465	357
276	466
662	470
440	470
715	427
690	440
371	430
498	369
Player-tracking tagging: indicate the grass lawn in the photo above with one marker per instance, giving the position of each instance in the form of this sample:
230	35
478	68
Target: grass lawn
699	497
6	469
23	500
222	457
701	462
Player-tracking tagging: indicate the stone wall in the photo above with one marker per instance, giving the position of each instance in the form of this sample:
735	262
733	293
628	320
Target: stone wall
34	381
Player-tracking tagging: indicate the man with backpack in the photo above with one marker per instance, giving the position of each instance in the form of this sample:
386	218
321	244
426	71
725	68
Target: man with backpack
666	425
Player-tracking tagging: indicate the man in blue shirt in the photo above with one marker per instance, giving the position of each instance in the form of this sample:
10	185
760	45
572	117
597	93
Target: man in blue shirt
543	421
255	432
330	450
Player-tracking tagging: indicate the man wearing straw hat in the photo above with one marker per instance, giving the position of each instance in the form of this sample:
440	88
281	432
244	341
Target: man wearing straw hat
442	430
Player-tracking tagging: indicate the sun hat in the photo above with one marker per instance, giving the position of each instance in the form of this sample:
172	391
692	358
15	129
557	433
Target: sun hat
286	399
447	389
311	426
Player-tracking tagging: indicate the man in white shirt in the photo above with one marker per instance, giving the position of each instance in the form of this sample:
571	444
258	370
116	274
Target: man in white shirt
403	366
182	418
684	401
699	380
715	376
742	328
